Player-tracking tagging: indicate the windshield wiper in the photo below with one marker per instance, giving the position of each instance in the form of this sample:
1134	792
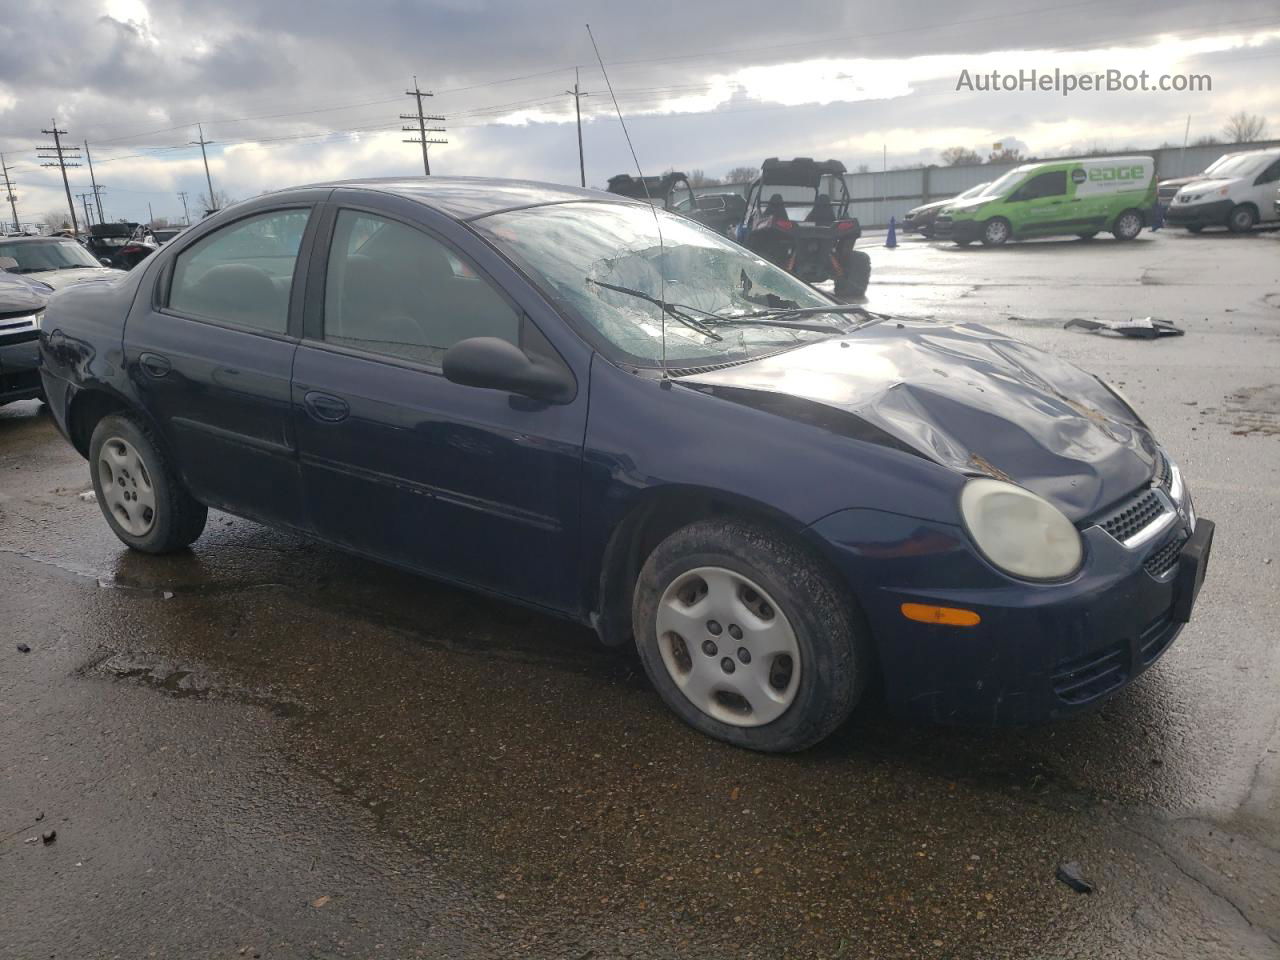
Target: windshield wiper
705	320
675	310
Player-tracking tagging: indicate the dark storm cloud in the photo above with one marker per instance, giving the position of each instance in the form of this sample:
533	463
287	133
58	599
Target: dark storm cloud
235	64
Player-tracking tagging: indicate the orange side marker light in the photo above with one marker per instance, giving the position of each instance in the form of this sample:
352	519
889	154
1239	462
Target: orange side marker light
947	616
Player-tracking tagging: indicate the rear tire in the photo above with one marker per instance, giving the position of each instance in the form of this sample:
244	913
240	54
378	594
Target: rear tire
857	274
1127	226
996	232
138	491
1241	219
739	594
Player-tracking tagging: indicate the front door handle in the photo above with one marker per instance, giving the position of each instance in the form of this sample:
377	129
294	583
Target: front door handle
326	407
154	365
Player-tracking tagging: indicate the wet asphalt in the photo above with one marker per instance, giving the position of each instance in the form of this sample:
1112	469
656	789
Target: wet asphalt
264	747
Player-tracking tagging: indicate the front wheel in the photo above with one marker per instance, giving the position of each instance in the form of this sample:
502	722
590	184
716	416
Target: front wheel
997	232
137	489
1241	219
1127	226
747	638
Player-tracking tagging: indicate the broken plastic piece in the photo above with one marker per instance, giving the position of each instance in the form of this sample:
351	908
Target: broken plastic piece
1141	328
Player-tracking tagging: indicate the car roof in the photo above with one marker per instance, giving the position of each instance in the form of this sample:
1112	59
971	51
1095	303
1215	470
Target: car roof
468	198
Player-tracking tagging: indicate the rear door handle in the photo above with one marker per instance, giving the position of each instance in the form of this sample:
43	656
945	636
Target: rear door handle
154	364
326	407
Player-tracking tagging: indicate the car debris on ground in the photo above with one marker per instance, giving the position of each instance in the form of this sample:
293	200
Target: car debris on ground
1138	328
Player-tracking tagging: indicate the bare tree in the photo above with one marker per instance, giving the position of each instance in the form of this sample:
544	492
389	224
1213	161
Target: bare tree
220	199
1208	140
960	157
1244	128
57	220
741	175
1005	155
863	168
698	178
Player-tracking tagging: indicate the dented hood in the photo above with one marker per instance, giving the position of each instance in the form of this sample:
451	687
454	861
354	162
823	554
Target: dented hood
970	399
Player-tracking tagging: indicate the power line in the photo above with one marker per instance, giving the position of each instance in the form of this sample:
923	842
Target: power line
56	156
423	129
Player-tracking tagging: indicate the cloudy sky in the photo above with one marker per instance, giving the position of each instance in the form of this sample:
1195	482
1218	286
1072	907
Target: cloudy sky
293	91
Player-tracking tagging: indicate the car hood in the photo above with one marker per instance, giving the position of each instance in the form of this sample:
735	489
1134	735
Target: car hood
968	398
58	279
926	207
17	295
968	206
1182	181
1214	183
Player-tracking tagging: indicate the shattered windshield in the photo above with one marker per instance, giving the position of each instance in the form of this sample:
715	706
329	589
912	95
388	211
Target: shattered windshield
583	252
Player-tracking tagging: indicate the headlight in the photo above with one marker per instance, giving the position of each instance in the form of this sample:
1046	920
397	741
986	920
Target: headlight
1021	533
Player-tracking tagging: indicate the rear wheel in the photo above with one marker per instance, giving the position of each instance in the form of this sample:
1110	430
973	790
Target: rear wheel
138	491
996	232
1127	226
747	638
1241	219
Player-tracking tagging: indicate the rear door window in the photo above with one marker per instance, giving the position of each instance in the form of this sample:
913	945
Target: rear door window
243	273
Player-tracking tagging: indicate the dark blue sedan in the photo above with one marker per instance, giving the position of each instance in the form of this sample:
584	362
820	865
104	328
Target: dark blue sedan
573	401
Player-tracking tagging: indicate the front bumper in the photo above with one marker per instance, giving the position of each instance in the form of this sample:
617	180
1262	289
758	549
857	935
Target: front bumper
961	231
19	369
1041	651
1212	214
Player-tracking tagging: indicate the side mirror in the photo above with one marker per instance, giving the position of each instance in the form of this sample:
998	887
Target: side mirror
104	261
499	365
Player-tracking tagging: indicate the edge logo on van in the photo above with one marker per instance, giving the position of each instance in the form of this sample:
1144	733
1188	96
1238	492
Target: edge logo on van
1113	173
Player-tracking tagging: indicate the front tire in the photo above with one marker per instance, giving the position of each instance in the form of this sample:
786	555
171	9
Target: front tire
1127	226
137	489
747	638
1241	219
996	232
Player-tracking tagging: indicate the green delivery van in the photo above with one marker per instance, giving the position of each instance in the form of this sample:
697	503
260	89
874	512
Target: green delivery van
1057	198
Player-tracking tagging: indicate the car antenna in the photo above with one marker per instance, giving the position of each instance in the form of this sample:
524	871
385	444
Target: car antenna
662	249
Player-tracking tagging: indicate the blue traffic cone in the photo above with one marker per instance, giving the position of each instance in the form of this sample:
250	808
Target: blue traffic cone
891	241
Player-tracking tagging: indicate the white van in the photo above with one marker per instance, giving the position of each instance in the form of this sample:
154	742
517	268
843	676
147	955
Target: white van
1239	194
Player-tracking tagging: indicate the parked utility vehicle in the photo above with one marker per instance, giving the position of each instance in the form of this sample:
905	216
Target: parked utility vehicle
1058	198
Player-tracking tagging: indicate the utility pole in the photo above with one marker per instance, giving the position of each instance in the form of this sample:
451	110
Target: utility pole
151	217
422	128
97	199
577	107
84	200
1182	160
8	189
57	157
185	216
213	201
